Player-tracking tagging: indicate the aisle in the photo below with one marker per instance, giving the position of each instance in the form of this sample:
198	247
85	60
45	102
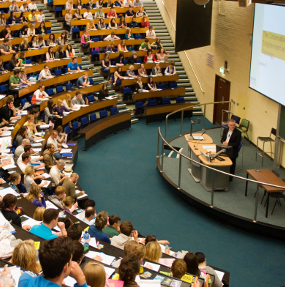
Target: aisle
119	173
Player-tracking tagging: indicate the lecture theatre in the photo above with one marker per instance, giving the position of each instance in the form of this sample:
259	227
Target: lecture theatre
141	143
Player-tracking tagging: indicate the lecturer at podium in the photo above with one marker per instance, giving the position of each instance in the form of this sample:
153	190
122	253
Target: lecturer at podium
232	137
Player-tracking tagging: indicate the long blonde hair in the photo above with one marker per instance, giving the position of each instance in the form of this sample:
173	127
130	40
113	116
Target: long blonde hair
29	170
34	193
95	274
68	201
25	256
68	101
39	213
153	251
58	102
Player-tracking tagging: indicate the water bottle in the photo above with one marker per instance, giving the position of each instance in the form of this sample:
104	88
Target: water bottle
86	239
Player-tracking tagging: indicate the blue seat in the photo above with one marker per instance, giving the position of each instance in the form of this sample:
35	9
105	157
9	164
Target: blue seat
50	92
84	122
91	81
173	85
58	72
28	61
139	61
95	39
75	127
75	30
114	111
68	86
180	100
94	52
23	101
127	93
93	118
30	98
161	86
58	9
103	114
139	105
113	63
138	36
125	62
3	89
166	101
68	130
48	31
59	89
91	98
152	103
43	116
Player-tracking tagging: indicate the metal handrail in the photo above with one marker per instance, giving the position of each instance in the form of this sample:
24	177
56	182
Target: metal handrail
184	51
188	107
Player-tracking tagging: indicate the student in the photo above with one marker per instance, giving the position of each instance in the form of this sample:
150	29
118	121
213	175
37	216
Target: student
41	16
36	196
129	35
112	37
111	48
95	274
103	93
6	33
131	72
142	71
33	5
29	179
73	66
78	5
77	99
151	84
14	62
24	8
156	70
25	256
2	19
48	157
120	59
39	214
101	24
153	251
8	206
55	259
134	23
83	81
118	77
49	114
55	172
170	70
85	38
112	13
141	13
145	46
5	48
105	65
90	25
133	58
178	268
145	23
192	267
139	87
149	57
112	24
74	232
14	180
32	30
60	54
127	232
67	102
99	3
78	251
202	264
45	73
25	44
137	3
41	29
23	19
69	51
14	7
39	95
41	42
162	56
33	18
150	33
62	40
59	108
114	226
91	4
69	5
122	23
69	185
97	229
50	220
128	270
130	13
51	40
33	43
68	17
52	140
89	217
69	205
77	15
122	47
99	14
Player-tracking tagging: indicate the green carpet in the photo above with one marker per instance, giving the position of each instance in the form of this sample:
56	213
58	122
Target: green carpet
119	173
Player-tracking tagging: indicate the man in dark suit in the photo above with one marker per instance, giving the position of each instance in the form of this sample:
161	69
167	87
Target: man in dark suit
232	137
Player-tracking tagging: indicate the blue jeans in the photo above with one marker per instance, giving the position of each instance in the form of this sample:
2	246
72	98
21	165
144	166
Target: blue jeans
57	155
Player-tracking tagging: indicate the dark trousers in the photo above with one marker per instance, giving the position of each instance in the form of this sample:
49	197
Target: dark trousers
232	168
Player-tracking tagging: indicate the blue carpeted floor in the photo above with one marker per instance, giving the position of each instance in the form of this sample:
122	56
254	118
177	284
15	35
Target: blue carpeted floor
119	173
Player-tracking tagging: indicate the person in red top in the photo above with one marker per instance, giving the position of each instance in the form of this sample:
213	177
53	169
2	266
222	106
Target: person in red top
39	95
145	23
112	13
149	57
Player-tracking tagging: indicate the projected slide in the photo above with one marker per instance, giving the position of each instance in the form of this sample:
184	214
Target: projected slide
268	52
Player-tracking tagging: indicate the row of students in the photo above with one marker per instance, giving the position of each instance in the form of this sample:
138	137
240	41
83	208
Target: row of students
22	19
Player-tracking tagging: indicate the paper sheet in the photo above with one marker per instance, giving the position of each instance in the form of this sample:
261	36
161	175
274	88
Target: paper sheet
69	281
39	140
50	205
149	283
166	261
77	191
30	221
36	144
66	150
44	126
6	133
9	166
46	183
46	175
106	259
37	149
220	274
152	266
15	272
201	138
109	271
82	196
8	190
93	242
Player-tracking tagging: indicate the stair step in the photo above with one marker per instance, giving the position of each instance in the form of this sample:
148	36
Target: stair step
124	110
190	98
183	80
121	106
134	121
187	89
190	94
197	108
198	113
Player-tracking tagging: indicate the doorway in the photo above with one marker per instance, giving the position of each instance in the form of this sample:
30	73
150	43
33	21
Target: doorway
222	93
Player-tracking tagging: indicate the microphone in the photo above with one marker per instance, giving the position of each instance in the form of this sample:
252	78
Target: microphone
198	140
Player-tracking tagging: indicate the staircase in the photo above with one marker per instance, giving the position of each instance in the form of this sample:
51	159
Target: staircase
161	31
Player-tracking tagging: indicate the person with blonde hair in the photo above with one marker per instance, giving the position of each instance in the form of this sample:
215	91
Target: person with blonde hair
39	213
32	30
94	274
131	72
60	108
67	102
68	204
36	196
97	229
25	256
29	178
153	251
90	25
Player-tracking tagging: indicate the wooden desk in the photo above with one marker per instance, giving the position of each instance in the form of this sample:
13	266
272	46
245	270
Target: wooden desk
126	54
128	82
7	15
106	20
207	138
105	10
148	66
116	31
53	81
267	176
106	126
32	53
39	67
117	42
63	2
97	105
156	94
8	4
203	174
17	27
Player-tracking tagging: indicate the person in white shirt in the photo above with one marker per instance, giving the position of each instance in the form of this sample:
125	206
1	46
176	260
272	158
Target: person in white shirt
55	172
170	70
41	16
24	8
45	74
150	34
69	5
88	15
52	140
29	149
29	178
33	5
112	37
39	95
14	7
128	3
90	215
31	31
26	158
20	149
137	3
